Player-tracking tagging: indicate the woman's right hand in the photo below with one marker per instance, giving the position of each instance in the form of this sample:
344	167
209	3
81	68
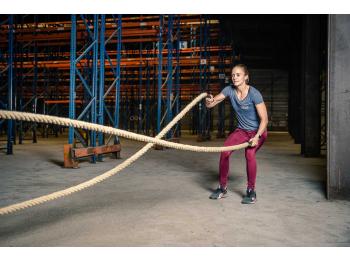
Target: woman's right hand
209	100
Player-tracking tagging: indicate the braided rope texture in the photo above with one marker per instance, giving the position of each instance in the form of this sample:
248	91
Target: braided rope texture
108	130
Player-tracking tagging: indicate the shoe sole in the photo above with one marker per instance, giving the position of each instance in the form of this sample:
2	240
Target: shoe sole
249	203
216	198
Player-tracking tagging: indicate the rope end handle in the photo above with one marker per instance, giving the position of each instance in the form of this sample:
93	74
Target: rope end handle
209	95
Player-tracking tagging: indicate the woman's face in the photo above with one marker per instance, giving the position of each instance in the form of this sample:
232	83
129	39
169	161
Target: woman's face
238	76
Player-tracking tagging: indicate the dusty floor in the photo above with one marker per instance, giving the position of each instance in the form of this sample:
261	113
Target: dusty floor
162	199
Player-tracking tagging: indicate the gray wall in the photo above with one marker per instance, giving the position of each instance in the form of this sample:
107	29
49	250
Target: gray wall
339	107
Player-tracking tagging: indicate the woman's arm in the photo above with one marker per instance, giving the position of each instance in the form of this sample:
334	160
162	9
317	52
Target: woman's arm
213	101
262	112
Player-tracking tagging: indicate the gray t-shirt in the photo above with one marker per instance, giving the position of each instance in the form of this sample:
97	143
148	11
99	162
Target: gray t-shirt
247	115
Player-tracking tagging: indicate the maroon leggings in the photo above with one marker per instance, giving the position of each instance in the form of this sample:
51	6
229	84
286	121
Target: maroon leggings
240	136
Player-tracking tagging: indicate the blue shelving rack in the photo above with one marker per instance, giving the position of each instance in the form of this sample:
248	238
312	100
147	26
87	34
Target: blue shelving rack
204	80
89	52
170	99
7	102
91	58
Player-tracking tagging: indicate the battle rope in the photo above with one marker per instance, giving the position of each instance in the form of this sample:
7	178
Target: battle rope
39	118
109	130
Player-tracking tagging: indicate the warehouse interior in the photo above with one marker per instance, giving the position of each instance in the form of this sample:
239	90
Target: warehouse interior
136	73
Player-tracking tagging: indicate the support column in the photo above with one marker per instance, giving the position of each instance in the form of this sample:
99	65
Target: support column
101	102
118	77
169	90
294	105
10	126
73	41
177	77
160	70
311	94
35	81
93	114
338	175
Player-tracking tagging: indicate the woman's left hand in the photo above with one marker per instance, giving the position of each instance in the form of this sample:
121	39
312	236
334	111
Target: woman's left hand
254	141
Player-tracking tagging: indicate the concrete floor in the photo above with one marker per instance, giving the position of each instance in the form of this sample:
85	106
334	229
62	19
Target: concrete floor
162	199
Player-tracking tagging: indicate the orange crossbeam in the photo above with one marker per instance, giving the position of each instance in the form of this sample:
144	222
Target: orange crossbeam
61	102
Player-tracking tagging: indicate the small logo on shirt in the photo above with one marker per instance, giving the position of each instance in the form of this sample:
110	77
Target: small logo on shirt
244	107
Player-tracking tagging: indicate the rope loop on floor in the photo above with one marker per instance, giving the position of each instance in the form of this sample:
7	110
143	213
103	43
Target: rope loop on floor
107	130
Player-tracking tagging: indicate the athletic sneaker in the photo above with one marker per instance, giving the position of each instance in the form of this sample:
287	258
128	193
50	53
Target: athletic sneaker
250	198
218	193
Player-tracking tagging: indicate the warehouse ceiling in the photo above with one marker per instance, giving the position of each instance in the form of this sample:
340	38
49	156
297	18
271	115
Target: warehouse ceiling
263	41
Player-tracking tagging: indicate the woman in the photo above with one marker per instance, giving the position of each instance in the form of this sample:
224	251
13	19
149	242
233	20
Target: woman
252	122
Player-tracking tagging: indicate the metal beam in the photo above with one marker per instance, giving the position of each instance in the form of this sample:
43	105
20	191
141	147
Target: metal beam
93	112
160	70
118	76
101	103
169	114
10	87
178	76
73	44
